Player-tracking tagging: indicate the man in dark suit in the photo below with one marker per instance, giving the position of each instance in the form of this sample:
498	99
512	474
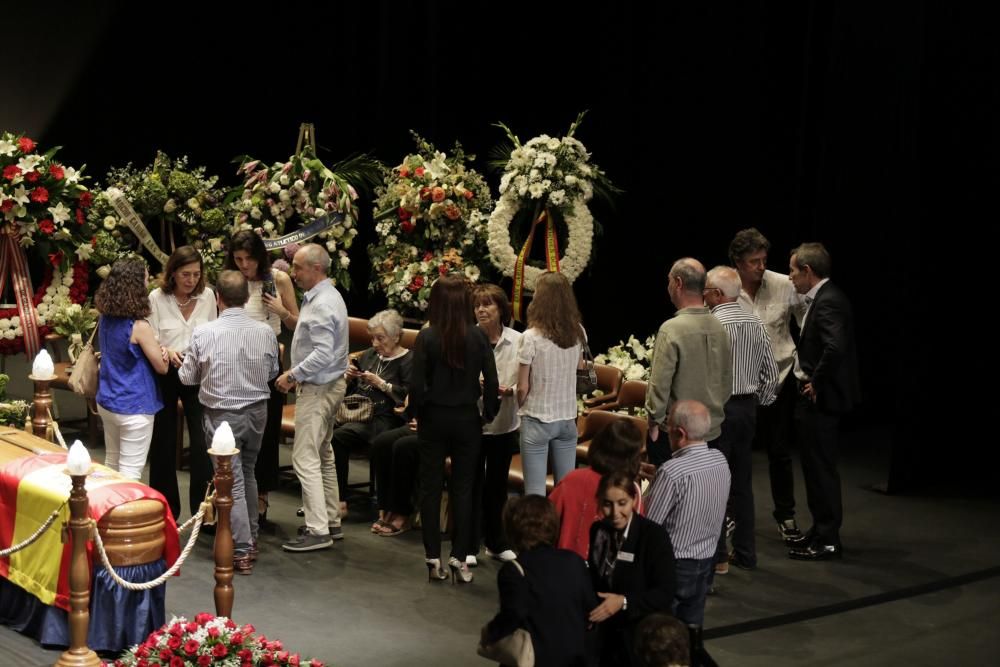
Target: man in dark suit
826	368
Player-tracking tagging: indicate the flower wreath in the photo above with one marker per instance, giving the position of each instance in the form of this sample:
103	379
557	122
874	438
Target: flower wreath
55	289
430	218
555	177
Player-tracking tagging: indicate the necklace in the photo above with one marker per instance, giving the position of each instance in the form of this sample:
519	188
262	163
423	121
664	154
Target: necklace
185	304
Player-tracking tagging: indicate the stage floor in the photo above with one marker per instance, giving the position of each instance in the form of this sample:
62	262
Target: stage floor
919	585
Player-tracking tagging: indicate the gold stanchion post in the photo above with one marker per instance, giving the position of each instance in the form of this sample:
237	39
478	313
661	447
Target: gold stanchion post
78	654
41	404
224	592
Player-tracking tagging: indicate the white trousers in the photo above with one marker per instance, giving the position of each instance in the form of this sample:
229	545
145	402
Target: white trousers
126	441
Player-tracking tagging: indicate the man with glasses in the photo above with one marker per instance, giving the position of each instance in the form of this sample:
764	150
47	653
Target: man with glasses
768	295
691	357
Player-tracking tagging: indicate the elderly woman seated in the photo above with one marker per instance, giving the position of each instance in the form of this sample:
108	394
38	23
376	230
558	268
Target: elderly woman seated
382	375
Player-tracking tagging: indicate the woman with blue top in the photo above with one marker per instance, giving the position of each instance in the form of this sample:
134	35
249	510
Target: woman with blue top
128	396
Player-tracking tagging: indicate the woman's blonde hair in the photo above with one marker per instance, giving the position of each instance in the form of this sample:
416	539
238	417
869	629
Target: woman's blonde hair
554	312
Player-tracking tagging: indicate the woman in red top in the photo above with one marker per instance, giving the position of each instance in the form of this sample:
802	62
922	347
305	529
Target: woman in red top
617	446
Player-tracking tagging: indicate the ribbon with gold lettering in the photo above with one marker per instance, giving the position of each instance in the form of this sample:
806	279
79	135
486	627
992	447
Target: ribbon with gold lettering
14	262
134	222
551	259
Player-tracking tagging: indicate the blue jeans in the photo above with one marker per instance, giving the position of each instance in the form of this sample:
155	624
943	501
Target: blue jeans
694	577
537	438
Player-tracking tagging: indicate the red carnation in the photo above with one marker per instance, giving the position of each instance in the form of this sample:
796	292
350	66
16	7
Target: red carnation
190	626
416	284
246	655
47	226
293	660
80	219
191	646
176	630
57	172
6	205
203	617
231	624
220	651
214	633
204	661
248	629
142	663
11	172
236	639
142	652
86	200
26	145
165	655
174	642
32	176
39	195
176	661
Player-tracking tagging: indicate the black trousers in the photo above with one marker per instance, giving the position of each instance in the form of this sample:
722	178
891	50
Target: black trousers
491	485
448	431
736	444
266	469
163	447
774	434
817	435
348	437
396	457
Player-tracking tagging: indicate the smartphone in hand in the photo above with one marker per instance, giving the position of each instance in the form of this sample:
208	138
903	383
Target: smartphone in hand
268	287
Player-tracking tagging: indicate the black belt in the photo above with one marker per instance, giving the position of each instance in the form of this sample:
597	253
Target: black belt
743	397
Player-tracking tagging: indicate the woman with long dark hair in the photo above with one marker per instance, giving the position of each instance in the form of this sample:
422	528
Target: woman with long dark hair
546	383
179	304
272	300
449	357
127	396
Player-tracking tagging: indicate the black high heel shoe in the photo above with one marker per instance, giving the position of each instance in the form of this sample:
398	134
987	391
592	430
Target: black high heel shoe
460	572
435	572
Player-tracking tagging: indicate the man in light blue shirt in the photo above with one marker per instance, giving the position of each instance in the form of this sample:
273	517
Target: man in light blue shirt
319	361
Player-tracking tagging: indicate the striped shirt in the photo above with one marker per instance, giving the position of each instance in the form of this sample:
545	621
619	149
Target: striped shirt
688	497
552	395
754	369
775	303
233	358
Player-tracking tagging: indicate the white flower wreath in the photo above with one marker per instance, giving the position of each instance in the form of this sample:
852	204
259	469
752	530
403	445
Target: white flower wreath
579	223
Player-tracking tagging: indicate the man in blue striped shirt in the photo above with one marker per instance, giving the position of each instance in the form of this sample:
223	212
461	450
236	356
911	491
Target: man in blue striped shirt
233	358
688	497
755	382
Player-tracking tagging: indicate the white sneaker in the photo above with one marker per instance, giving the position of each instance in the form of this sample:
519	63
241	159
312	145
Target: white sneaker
504	556
471	561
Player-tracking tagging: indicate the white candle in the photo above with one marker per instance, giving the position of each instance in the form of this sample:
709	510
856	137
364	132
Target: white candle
78	460
42	368
223	441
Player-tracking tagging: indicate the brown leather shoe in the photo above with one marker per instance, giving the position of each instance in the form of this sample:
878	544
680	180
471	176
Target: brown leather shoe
243	564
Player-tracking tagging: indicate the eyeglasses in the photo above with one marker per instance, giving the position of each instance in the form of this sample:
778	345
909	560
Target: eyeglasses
711	289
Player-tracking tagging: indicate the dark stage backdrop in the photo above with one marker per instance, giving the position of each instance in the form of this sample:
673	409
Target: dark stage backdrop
810	120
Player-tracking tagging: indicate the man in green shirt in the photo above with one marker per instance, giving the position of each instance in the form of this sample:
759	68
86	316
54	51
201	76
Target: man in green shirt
691	356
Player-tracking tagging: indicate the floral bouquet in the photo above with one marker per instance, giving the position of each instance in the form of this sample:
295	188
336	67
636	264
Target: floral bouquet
430	215
550	179
13	413
631	357
184	200
74	321
43	201
209	640
303	190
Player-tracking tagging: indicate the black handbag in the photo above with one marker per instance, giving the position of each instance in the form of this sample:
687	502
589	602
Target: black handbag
516	649
586	374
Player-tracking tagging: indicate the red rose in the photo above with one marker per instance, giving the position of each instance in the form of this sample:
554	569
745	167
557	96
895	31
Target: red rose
245	654
236	639
26	145
437	194
176	661
293	660
428	256
80	219
39	195
57	172
404	214
282	657
407	226
274	646
176	630
248	629
220	651
443	269
452	212
6	205
32	176
165	655
190	626
404	171
315	663
231	624
142	663
47	226
86	200
214	633
11	172
204	660
191	646
419	172
142	652
202	618
425	193
174	642
468	194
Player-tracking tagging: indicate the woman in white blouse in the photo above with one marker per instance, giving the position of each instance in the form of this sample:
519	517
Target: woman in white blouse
179	304
546	382
492	311
272	300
